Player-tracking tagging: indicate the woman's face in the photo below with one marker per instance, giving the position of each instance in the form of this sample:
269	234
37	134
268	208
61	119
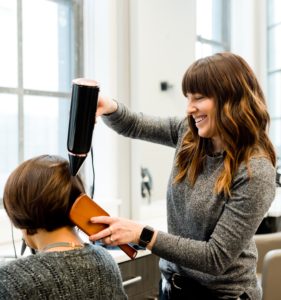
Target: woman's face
202	110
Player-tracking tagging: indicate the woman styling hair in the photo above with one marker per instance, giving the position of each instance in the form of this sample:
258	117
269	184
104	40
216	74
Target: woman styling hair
221	185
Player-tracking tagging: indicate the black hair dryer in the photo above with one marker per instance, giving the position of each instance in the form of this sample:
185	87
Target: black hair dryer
82	115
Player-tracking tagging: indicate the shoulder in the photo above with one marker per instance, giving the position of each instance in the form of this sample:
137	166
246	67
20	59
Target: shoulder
16	264
105	262
100	254
256	177
14	274
97	249
258	167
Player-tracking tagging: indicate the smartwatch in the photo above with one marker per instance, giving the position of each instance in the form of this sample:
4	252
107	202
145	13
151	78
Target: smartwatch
146	236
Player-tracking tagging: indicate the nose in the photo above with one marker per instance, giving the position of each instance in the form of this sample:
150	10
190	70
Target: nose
191	108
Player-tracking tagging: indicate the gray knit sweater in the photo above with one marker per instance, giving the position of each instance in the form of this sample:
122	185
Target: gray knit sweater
87	273
210	237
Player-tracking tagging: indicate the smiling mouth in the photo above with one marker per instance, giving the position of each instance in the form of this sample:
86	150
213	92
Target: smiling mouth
200	119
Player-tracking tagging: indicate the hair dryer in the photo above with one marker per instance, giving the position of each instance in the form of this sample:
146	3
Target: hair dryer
81	121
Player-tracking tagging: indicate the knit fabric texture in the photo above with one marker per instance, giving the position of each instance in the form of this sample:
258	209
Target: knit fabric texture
210	237
87	273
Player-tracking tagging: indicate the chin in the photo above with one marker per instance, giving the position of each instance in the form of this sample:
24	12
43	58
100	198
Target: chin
203	135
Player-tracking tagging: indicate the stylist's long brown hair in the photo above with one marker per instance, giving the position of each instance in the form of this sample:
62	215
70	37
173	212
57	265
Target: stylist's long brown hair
241	116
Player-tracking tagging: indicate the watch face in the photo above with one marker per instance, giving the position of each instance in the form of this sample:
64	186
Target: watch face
146	236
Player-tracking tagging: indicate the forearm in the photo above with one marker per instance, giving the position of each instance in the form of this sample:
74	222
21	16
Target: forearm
163	131
153	241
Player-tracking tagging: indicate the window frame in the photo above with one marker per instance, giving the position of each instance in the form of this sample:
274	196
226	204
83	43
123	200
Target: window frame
272	70
225	29
77	40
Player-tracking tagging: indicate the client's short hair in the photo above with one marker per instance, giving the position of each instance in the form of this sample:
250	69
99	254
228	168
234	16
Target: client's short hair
40	192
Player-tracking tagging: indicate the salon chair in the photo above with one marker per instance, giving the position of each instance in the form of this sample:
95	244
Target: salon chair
269	264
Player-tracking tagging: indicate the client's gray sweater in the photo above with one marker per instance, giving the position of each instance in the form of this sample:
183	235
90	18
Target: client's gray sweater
87	273
210	236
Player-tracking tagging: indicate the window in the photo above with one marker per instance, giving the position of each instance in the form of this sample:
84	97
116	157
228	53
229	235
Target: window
274	70
38	60
212	27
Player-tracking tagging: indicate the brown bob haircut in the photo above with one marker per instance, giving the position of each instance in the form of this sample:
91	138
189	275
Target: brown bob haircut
40	192
241	114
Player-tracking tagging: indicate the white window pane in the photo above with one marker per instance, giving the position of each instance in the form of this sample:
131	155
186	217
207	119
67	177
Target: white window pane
46	45
274	11
212	27
45	126
203	50
274	48
8	136
274	94
8	49
211	15
217	20
274	132
204	18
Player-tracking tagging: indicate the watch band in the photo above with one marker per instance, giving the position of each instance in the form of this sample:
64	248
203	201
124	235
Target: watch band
146	236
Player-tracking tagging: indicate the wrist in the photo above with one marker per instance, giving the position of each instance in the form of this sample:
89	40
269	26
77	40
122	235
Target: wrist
113	106
153	240
146	236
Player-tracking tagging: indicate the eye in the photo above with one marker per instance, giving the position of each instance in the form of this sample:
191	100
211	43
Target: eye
199	97
195	97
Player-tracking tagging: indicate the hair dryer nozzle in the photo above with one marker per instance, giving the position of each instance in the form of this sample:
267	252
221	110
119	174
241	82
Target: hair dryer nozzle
75	163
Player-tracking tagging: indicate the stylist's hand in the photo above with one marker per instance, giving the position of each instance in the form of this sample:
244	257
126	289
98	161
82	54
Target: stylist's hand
105	106
119	231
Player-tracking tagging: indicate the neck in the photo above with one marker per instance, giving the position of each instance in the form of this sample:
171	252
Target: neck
217	145
61	239
61	246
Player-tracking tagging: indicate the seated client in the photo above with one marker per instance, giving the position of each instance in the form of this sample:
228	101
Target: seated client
37	197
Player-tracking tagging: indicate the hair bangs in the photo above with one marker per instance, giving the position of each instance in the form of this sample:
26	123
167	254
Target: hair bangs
197	79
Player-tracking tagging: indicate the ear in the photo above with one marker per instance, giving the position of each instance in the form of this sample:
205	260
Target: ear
28	239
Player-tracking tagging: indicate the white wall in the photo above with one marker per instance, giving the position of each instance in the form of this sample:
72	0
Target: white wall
162	47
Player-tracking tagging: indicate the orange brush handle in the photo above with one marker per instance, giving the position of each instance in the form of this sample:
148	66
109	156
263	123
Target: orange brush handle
129	250
80	213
